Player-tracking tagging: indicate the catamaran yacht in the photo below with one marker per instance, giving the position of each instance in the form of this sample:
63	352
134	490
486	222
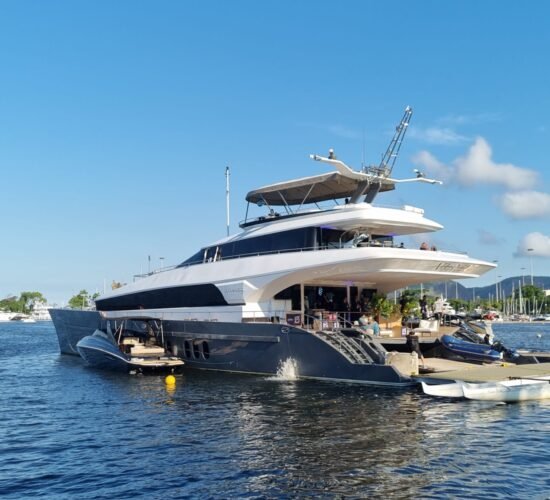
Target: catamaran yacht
270	293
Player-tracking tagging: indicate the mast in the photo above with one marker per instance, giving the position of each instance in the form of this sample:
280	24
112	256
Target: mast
227	174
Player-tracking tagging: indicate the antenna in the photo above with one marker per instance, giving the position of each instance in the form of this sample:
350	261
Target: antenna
363	155
227	174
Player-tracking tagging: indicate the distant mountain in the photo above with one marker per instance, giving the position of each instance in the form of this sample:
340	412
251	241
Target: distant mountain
453	290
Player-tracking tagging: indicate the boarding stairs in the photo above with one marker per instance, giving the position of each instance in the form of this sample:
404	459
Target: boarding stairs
355	349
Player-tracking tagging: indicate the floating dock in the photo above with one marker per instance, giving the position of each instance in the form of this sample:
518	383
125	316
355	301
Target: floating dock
466	372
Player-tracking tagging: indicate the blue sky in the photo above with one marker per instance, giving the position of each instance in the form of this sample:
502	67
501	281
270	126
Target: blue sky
117	120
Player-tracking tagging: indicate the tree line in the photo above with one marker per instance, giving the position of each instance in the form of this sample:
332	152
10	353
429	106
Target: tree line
27	301
24	304
82	300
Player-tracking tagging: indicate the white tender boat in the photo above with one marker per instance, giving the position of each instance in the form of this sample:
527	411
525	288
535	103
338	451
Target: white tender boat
521	389
452	390
510	391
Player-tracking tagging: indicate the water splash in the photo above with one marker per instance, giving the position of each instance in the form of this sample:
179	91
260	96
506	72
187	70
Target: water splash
287	370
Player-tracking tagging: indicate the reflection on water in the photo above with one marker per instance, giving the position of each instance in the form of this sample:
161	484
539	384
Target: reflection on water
70	431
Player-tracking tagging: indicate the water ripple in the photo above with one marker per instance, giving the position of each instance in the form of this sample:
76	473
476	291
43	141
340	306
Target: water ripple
72	432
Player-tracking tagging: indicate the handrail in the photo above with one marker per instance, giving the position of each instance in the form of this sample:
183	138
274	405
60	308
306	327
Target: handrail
270	217
303	249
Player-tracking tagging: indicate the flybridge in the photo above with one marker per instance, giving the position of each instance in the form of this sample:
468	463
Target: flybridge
345	183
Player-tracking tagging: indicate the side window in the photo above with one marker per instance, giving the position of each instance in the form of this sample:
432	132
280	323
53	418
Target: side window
196	350
187	348
205	350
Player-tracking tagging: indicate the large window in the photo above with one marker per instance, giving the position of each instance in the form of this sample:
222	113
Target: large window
307	238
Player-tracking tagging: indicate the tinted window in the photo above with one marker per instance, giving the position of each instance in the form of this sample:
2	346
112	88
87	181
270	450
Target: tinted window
303	238
195	259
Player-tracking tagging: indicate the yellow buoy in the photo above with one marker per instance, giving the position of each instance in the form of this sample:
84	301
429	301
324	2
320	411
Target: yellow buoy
170	380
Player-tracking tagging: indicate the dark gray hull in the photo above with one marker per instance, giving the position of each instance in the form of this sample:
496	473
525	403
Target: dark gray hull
259	348
100	353
73	325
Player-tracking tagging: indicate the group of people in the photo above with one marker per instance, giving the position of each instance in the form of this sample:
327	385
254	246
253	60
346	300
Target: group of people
369	325
425	246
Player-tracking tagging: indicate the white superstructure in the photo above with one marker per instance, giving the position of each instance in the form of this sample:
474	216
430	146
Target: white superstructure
40	312
348	246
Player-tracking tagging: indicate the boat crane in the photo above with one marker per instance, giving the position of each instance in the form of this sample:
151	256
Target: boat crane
390	156
371	179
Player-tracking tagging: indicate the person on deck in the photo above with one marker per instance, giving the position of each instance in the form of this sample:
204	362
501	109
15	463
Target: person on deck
414	346
369	325
424	307
345	310
374	326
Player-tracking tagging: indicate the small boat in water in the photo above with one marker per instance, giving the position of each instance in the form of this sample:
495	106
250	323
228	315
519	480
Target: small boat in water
136	345
24	318
450	390
510	391
470	350
520	389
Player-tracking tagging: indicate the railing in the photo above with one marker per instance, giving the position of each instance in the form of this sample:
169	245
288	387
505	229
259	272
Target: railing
356	346
320	208
300	250
154	271
337	321
352	348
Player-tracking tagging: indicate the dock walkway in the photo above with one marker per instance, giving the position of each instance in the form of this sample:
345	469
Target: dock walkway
452	370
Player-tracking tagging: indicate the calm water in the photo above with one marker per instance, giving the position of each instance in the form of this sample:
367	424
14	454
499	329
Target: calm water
67	431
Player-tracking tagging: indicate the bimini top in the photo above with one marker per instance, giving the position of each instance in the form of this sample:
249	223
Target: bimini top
315	189
345	182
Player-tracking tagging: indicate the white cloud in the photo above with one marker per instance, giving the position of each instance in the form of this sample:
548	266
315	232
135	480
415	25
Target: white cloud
470	119
437	135
538	242
526	204
477	167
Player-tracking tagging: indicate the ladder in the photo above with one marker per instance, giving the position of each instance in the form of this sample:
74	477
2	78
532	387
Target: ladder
351	348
